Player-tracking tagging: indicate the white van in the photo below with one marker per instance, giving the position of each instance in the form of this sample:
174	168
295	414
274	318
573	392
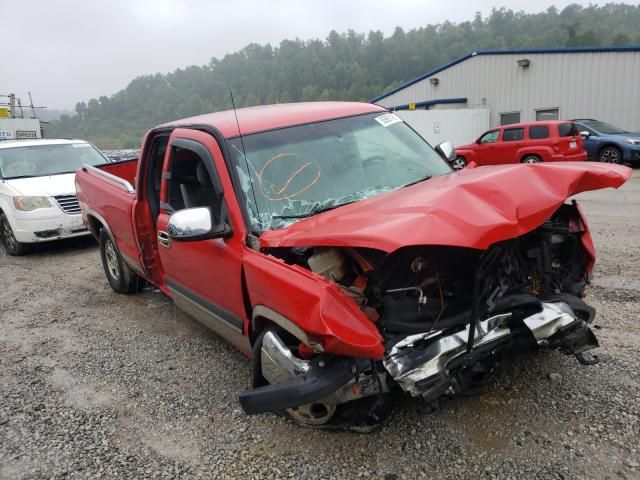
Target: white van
38	200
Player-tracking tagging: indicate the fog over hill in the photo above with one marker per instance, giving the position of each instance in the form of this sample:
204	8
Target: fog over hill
343	66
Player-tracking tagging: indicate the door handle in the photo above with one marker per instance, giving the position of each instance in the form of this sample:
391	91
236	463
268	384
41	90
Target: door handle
163	239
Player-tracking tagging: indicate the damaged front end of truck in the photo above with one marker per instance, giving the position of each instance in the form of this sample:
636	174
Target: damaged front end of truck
429	288
450	319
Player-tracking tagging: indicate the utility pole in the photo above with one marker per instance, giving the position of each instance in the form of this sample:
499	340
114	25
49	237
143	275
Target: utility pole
32	108
20	107
12	105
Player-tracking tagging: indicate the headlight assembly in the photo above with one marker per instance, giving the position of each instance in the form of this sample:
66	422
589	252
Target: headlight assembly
633	141
26	204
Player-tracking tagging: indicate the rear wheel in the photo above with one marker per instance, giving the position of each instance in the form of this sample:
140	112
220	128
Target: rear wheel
610	155
459	163
121	278
11	245
531	159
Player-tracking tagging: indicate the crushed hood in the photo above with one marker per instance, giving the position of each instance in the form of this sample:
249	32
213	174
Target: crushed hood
473	208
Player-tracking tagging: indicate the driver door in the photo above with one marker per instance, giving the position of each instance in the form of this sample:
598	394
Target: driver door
486	149
202	276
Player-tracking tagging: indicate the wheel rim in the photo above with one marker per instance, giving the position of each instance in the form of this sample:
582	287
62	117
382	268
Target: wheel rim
112	259
530	160
609	155
459	164
7	235
313	413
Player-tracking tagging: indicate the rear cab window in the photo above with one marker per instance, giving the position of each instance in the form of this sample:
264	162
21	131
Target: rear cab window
538	132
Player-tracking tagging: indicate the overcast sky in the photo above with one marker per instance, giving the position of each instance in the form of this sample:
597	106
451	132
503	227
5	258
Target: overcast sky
65	51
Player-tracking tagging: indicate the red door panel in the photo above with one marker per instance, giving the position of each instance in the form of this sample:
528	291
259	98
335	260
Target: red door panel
204	276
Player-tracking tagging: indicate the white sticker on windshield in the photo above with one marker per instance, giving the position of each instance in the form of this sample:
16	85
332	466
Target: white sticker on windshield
388	119
80	145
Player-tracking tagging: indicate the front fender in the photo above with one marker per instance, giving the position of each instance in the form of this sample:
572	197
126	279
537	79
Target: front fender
469	155
315	305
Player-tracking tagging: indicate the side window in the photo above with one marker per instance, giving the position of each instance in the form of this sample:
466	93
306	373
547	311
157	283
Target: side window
490	137
190	184
567	129
512	134
538	132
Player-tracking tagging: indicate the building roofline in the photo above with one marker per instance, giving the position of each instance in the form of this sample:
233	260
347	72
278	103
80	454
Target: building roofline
611	48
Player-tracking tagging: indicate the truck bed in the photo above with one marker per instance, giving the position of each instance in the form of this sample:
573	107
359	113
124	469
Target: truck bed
107	196
125	170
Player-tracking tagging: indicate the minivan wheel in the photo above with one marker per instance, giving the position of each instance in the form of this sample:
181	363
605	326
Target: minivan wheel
458	163
610	155
531	159
121	278
11	245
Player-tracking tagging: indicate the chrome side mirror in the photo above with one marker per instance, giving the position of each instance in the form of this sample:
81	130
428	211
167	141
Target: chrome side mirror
193	224
585	134
446	150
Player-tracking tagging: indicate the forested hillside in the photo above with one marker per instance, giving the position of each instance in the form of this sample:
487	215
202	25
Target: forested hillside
347	66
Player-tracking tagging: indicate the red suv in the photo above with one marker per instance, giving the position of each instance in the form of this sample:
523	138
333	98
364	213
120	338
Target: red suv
534	142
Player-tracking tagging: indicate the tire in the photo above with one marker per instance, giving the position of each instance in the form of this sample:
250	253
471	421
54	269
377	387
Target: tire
531	159
610	155
121	278
458	163
312	415
11	245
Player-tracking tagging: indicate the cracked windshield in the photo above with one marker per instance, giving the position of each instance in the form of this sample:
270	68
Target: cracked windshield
293	173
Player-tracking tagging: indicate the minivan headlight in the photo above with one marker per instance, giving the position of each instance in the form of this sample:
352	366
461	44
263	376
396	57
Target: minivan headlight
26	204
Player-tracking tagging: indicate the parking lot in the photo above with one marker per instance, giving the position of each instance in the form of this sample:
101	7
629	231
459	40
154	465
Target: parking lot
96	384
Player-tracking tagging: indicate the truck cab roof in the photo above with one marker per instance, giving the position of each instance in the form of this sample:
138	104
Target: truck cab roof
272	117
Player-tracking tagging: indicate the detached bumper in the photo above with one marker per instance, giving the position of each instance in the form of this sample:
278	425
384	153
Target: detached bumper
427	365
46	225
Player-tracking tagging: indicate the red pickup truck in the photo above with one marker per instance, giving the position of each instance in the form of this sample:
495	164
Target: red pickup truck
327	242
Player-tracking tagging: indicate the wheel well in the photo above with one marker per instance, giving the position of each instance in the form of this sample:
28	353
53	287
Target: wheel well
261	319
530	155
95	226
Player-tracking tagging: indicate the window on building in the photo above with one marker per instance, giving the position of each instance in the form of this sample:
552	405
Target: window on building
538	132
548	114
509	118
568	129
489	137
512	134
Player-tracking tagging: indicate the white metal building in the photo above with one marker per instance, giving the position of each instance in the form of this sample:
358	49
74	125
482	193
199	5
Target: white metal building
532	84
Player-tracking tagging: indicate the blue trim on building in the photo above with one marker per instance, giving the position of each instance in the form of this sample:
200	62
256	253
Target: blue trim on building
430	103
621	48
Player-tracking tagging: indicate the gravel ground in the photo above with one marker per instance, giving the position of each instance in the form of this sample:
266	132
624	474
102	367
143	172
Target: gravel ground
95	384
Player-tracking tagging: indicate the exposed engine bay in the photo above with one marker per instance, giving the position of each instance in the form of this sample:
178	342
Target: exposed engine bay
451	318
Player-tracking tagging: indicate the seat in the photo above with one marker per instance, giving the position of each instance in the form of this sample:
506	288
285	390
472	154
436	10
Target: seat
201	192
